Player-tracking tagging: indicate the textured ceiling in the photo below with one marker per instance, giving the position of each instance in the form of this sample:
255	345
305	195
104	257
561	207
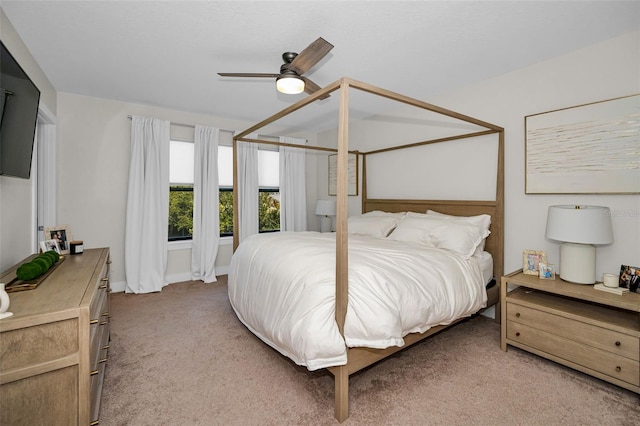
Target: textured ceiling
167	53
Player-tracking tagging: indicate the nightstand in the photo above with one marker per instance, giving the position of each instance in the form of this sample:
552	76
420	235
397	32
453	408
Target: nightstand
592	331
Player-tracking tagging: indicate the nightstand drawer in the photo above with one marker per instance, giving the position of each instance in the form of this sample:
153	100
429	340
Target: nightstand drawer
602	361
593	336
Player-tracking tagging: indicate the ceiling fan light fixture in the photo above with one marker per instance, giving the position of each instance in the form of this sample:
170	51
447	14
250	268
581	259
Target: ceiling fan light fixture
290	84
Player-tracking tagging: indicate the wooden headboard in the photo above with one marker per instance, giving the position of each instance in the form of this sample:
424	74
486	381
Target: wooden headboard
495	241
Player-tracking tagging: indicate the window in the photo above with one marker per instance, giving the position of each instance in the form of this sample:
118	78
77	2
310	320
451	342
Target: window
181	176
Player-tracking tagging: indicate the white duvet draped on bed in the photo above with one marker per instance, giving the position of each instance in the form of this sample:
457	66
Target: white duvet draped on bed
282	287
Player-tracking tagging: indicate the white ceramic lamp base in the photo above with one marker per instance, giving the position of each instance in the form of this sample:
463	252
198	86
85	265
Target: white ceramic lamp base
325	224
4	303
578	263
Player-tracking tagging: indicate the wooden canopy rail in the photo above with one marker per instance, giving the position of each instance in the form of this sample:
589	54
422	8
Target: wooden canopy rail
359	358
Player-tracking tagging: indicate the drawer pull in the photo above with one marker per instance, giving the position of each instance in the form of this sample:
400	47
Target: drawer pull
94	372
103	360
105	279
518	334
103	286
104	323
617	343
94	321
94	423
106	347
517	314
618	369
106	314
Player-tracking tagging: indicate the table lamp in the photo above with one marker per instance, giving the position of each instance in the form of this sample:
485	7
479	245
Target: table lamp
326	209
579	228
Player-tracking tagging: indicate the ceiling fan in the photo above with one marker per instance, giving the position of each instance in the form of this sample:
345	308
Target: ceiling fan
290	80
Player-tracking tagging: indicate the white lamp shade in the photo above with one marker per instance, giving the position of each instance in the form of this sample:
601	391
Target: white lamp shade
290	85
579	224
326	208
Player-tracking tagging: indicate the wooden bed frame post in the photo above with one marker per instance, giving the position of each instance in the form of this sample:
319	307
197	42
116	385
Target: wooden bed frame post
342	248
236	215
499	219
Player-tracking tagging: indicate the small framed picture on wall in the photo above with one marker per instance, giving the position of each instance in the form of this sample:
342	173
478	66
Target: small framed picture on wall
531	260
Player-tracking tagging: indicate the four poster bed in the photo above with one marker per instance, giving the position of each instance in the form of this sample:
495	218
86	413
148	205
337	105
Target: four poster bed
404	271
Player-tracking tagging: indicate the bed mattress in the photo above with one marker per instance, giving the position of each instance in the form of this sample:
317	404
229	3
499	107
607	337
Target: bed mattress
282	287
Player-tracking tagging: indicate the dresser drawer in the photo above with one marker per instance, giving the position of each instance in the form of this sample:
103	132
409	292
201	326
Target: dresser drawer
594	336
99	326
96	392
29	346
605	362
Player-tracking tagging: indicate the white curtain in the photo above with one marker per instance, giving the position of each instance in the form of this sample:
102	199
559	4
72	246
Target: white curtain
206	213
248	187
293	194
147	219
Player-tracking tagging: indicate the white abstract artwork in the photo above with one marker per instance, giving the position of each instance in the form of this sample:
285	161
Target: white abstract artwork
587	149
352	175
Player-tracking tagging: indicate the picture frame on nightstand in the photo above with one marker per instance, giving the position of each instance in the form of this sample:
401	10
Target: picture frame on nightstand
547	271
531	260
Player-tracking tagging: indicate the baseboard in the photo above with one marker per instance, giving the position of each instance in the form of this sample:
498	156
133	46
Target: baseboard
120	286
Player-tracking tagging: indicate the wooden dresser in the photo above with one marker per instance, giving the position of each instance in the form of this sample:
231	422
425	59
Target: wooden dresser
53	350
576	325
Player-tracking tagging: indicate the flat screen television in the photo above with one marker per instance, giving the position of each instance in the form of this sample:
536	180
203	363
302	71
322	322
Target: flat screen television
19	99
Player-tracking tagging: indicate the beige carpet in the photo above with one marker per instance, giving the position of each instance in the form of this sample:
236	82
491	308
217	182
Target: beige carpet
181	357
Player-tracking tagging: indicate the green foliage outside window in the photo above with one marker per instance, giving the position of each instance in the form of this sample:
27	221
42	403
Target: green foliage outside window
226	212
268	211
181	212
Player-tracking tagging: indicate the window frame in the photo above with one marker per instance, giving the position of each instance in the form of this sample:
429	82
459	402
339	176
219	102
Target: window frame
188	187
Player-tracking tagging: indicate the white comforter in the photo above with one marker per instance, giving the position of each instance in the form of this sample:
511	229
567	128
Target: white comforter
282	287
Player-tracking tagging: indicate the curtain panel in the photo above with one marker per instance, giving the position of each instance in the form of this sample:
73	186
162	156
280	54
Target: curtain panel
206	212
147	220
247	153
293	194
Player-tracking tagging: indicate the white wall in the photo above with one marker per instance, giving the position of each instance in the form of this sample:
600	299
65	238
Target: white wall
602	71
16	195
93	171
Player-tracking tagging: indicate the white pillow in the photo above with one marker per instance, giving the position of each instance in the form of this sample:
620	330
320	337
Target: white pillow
381	213
374	226
463	238
483	221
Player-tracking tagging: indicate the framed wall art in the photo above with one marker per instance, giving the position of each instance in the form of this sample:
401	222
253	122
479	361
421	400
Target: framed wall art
531	260
585	149
352	174
61	234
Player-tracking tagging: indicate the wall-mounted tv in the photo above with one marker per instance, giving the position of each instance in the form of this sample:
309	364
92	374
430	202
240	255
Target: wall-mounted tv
19	99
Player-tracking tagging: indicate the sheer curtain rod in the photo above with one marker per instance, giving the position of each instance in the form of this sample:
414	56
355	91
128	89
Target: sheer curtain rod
222	130
188	125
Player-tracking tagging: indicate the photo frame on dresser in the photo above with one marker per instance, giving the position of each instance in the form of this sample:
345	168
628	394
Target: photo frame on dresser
48	245
61	234
531	260
630	278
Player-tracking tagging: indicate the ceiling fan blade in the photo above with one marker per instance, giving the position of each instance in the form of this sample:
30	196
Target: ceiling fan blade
310	56
311	87
246	74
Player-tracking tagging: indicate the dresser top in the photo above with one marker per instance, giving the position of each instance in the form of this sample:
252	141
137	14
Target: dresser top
61	293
